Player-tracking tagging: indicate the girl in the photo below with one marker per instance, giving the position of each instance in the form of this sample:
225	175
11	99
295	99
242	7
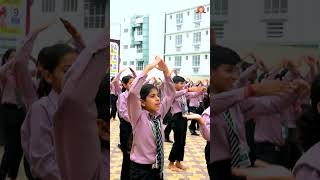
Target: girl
54	61
76	116
145	115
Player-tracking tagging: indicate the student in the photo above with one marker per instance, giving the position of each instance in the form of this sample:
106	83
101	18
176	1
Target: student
180	125
114	98
231	108
146	112
125	127
78	151
194	105
54	61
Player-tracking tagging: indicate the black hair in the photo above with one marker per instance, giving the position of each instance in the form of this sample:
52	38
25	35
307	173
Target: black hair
315	93
145	90
222	55
6	55
262	76
125	80
112	78
245	65
49	58
102	99
178	79
308	128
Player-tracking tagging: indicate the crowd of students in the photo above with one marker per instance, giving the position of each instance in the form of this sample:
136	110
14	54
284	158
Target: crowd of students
265	121
54	120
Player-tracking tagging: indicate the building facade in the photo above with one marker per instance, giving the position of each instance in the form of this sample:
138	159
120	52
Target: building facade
187	41
134	40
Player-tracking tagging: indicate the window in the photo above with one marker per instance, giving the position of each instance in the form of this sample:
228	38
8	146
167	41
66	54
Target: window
219	29
197	16
208	9
275	6
169	37
125	30
139	31
188	13
125	47
94	14
196	24
178	27
179	40
196	61
48	5
178	49
139	66
274	29
177	61
187	35
196	47
125	63
207	32
170	16
186	57
169	58
197	37
179	18
70	5
131	46
206	56
139	48
220	7
131	63
195	70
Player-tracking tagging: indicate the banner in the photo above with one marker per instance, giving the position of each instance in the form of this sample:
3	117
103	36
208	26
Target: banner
12	23
114	57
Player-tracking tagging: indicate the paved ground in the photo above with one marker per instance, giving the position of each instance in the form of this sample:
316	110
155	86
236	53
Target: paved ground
194	157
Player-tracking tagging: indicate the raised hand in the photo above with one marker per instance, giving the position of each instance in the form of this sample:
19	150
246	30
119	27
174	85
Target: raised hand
70	28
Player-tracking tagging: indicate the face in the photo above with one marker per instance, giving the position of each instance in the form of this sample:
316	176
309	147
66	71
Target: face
224	77
152	102
179	86
128	85
56	78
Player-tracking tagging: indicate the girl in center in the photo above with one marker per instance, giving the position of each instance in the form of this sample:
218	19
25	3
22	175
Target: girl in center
146	112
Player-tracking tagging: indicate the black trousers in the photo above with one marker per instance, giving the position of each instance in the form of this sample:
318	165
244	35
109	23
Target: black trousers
168	121
114	99
271	153
143	172
27	170
180	125
125	141
294	152
125	169
192	126
222	170
250	128
207	156
2	128
13	119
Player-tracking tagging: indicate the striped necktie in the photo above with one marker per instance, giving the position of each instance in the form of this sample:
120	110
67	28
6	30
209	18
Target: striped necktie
233	140
156	129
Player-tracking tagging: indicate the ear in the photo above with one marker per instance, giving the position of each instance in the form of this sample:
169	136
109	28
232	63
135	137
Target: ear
47	76
143	104
318	107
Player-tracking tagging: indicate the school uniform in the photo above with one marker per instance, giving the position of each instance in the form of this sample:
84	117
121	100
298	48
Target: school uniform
115	91
230	111
17	93
78	146
125	134
308	166
178	108
194	105
147	147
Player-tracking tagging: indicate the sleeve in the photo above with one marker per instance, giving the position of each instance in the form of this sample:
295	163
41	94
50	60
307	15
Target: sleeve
41	151
116	84
168	96
5	68
244	76
75	118
133	102
307	173
122	108
256	106
205	128
223	101
193	94
24	78
181	93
